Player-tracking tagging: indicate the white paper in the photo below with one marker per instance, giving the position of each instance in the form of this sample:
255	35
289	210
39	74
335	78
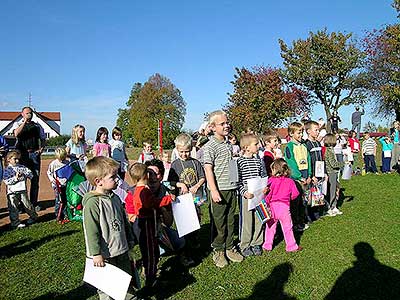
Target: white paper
256	187
185	215
387	153
109	279
356	146
320	169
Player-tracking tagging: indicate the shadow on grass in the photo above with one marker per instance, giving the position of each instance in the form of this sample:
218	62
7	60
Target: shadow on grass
17	248
273	287
343	198
82	292
367	279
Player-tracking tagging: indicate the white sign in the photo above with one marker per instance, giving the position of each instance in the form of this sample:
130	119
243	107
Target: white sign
185	215
256	187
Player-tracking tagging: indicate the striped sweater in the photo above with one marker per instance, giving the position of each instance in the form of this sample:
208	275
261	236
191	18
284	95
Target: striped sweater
248	167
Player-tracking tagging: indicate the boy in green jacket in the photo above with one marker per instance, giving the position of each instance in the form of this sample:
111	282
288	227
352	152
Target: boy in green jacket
105	224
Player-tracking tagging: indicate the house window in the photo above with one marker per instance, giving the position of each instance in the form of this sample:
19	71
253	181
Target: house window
47	135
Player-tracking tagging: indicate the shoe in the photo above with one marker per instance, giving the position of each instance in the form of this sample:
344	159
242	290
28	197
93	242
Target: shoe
247	252
330	213
257	250
20	225
30	221
234	255
219	259
306	226
299	248
337	211
37	208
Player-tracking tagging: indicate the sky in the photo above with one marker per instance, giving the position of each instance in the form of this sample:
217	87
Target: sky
81	58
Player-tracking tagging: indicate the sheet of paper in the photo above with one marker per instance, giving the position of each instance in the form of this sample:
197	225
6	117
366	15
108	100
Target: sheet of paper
256	186
109	279
185	215
319	169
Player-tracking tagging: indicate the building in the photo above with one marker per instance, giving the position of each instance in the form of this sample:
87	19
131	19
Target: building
50	121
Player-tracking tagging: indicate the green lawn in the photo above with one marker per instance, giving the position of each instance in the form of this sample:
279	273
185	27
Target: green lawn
46	260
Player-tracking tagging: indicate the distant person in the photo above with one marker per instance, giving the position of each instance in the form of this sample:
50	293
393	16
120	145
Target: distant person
3	152
369	153
356	120
30	142
118	152
271	144
235	147
147	153
58	185
322	131
105	225
76	146
387	148
101	147
395	136
354	144
334	121
282	190
15	176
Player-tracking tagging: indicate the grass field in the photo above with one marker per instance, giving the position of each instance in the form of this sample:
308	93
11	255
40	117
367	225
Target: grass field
46	260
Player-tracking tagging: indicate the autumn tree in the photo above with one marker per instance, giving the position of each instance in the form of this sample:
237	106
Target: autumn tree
327	66
383	65
156	99
260	100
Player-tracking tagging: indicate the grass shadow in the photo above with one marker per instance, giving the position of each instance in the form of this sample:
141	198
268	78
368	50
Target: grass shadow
367	279
17	247
273	287
343	198
84	291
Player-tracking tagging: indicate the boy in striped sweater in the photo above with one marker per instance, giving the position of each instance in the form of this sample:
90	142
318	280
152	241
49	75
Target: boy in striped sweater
368	153
250	228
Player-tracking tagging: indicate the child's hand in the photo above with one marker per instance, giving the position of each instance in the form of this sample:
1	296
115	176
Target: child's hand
183	187
248	195
266	190
98	261
308	180
315	180
215	196
173	197
193	189
132	218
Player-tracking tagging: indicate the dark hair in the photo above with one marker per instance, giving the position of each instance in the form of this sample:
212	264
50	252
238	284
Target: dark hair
116	130
156	163
100	131
25	107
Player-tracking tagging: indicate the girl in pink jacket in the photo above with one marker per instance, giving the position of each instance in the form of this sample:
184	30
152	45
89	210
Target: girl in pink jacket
282	190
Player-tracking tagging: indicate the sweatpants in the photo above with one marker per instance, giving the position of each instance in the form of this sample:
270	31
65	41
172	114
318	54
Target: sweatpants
332	187
250	227
13	201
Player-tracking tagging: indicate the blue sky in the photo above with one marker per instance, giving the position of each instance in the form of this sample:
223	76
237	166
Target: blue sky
82	57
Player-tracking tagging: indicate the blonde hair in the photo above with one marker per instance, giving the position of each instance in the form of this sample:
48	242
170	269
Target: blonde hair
74	134
214	115
138	171
280	168
116	130
99	167
247	138
309	124
269	135
183	140
60	153
294	126
330	140
11	154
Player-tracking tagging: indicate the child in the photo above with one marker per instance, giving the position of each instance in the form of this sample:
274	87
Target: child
298	160
282	190
271	143
387	147
3	152
318	170
354	144
250	228
15	176
59	188
76	146
369	153
187	174
235	147
277	151
334	120
118	152
142	204
106	228
102	147
332	168
147	153
222	192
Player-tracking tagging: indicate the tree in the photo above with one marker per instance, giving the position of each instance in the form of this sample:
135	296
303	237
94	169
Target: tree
156	99
260	99
328	67
383	66
60	140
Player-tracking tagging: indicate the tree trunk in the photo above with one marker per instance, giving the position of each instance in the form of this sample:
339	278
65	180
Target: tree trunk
397	112
328	115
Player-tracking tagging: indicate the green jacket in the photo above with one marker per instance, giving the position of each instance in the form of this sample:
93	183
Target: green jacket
332	165
298	159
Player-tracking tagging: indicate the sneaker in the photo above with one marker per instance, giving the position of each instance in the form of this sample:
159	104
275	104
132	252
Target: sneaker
247	252
337	211
330	213
306	226
299	248
20	225
234	255
257	250
219	259
37	208
30	221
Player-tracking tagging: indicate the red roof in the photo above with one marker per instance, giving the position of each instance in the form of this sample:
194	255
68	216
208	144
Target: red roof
11	115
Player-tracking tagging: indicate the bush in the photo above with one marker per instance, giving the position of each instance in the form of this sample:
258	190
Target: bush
60	140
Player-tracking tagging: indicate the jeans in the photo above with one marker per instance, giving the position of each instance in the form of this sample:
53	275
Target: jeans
370	165
357	127
33	163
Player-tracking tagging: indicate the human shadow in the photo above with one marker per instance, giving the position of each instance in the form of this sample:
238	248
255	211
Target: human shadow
273	287
21	246
368	279
343	198
84	291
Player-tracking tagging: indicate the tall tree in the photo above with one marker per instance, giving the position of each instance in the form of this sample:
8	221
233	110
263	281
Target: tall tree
260	99
383	65
328	66
156	99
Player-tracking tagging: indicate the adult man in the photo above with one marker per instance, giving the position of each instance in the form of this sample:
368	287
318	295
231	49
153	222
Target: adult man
30	141
356	120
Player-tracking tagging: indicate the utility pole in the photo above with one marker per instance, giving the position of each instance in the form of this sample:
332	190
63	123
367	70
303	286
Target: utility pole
30	99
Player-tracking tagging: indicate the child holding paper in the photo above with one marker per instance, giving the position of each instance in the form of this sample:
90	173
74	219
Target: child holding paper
187	174
142	204
250	227
105	225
